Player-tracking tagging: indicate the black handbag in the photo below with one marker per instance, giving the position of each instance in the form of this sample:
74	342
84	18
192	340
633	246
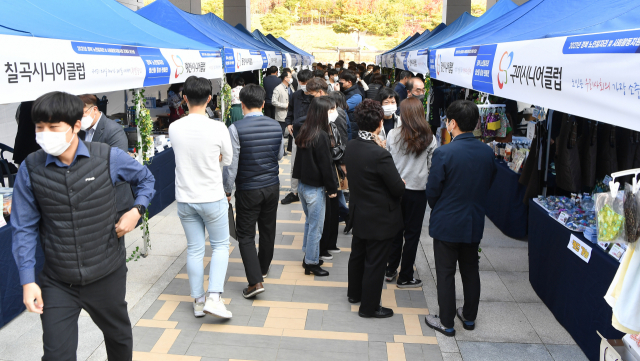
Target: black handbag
337	146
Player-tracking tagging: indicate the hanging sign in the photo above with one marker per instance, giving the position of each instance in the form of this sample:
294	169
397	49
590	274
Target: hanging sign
239	60
580	248
593	76
35	66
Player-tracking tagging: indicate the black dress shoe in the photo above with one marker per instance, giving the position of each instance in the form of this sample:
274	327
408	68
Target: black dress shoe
381	312
353	300
316	270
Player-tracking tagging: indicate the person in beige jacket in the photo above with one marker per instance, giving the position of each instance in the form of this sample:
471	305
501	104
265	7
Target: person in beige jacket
280	98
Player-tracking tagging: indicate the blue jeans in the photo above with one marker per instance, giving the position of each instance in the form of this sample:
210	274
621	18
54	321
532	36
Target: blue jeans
195	217
313	204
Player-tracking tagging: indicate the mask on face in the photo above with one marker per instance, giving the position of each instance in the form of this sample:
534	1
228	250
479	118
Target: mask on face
289	80
419	97
326	77
336	78
333	116
337	68
449	131
389	109
303	87
54	143
86	122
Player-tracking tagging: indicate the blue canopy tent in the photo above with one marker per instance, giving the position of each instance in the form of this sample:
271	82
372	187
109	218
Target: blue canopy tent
387	59
113	47
289	58
242	52
308	57
415	57
498	10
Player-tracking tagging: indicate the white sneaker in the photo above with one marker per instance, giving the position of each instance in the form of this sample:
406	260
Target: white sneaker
216	308
198	308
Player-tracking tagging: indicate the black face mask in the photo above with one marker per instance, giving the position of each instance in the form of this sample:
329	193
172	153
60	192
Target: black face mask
419	97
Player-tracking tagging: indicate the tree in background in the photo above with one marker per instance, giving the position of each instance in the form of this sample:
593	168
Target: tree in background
213	6
277	22
359	24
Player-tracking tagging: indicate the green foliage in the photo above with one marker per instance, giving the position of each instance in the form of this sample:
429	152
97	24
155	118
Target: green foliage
213	6
277	22
145	127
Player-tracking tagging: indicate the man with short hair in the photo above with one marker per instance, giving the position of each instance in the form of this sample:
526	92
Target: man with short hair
280	99
66	194
257	147
298	107
460	176
368	74
318	73
97	128
333	83
202	146
270	82
415	88
353	95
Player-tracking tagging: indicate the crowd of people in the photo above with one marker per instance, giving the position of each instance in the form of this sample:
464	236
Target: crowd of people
362	152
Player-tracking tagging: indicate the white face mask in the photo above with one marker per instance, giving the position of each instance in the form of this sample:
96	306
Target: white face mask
338	68
86	121
333	116
326	77
389	109
303	87
54	143
336	78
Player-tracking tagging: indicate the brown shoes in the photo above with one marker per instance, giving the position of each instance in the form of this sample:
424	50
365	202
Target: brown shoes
251	291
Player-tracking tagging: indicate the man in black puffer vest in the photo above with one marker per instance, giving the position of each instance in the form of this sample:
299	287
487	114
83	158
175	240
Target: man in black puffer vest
67	193
257	147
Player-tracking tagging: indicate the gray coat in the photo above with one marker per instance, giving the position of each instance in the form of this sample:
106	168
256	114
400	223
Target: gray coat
280	101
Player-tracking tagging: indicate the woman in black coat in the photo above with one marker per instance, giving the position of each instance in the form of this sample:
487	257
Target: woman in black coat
314	168
374	210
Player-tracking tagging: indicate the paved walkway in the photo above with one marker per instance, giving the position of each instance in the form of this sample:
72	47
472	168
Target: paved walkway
308	318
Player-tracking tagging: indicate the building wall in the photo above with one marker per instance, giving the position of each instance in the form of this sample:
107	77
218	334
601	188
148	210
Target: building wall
238	11
190	6
452	9
490	3
132	4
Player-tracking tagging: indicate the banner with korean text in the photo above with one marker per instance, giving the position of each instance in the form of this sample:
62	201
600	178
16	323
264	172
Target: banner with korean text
594	76
35	66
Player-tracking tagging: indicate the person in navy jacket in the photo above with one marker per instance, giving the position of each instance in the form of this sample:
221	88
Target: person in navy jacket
459	180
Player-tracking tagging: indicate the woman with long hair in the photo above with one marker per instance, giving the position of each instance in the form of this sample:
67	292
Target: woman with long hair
411	145
314	169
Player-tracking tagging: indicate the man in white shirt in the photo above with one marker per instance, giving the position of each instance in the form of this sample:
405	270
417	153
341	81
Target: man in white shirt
202	146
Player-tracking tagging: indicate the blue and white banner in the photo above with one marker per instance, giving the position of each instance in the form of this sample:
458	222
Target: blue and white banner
593	76
35	66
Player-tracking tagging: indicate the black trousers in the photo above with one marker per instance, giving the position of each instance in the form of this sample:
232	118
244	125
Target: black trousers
329	238
413	205
270	110
447	254
257	206
104	302
367	263
283	125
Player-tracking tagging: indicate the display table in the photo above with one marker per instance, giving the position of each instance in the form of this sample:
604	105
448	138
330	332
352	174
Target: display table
571	288
504	202
10	289
163	168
